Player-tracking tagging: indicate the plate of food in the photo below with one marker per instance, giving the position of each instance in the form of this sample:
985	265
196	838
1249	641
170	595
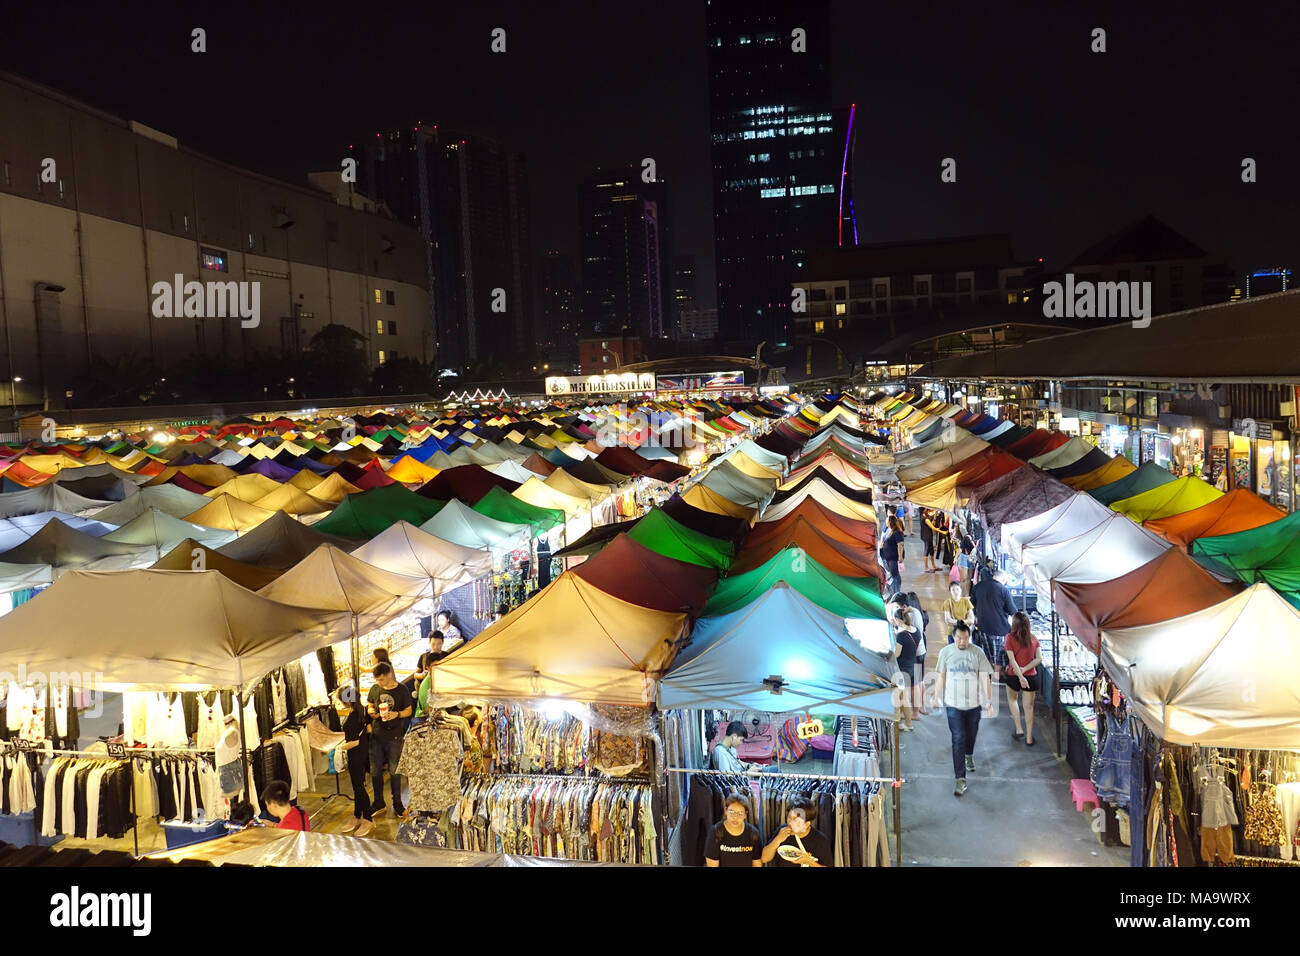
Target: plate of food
789	852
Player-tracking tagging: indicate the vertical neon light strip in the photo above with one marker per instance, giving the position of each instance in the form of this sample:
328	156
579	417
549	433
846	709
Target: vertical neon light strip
844	166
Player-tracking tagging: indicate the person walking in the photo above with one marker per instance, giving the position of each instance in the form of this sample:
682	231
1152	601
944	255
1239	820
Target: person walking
891	553
957	610
993	611
928	532
390	706
905	636
1021	676
965	681
356	741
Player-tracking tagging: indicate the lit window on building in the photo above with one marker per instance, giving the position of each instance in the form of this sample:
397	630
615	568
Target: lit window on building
383	356
819	326
379	297
840	309
214	259
379	326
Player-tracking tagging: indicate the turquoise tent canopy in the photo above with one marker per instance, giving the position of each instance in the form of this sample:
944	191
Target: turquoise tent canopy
845	596
1135	482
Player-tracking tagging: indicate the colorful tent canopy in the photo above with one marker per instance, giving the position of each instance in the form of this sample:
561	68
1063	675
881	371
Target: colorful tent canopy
1172	498
231	638
658	532
230	514
280	542
733	484
405	549
1167	586
1138	480
467	483
334	489
844	596
596	539
503	506
1238	510
246	487
634	573
62	548
1063	455
1112	470
333	579
161	532
731	659
170	499
293	500
362	516
1019	494
1269	553
48	497
851	528
571	641
189	555
461	524
828	546
706	522
1223	676
706	499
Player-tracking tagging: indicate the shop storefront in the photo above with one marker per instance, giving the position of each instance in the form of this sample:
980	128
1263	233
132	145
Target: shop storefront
1259	458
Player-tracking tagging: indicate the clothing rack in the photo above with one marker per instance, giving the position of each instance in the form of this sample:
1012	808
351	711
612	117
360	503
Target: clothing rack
759	774
1271	860
592	778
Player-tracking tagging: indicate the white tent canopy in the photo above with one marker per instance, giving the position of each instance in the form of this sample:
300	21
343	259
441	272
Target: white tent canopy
404	549
459	523
1075	515
171	499
1224	676
334	579
89	622
1066	454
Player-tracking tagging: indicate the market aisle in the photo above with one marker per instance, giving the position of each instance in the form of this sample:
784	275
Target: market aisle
1017	810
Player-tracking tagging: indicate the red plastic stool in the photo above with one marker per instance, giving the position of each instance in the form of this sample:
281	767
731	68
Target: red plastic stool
1082	791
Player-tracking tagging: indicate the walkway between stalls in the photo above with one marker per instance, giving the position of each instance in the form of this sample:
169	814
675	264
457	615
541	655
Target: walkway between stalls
1017	809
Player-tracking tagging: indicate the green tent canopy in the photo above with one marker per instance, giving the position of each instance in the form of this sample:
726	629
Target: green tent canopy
501	505
369	513
1135	482
847	597
658	532
1269	553
1171	498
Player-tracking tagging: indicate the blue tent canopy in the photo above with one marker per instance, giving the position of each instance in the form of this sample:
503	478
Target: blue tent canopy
732	659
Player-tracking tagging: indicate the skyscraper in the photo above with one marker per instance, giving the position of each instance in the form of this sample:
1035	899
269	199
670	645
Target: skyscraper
624	276
468	196
782	158
684	286
559	309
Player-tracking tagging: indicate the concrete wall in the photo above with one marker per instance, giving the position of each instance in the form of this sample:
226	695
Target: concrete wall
127	211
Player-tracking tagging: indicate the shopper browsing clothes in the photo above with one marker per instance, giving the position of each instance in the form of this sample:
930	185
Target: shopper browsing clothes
928	534
965	679
798	843
389	705
735	841
275	798
356	741
1021	675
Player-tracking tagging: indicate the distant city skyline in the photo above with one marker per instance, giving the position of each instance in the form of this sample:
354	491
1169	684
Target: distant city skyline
1053	143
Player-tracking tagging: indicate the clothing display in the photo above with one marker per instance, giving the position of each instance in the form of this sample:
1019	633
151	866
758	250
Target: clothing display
19	780
86	798
432	759
527	741
1110	767
576	818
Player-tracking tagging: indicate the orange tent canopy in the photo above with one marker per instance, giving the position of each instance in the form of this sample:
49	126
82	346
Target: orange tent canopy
1162	589
810	509
1239	510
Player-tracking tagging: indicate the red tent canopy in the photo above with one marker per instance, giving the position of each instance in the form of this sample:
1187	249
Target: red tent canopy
810	509
624	460
825	546
467	483
632	572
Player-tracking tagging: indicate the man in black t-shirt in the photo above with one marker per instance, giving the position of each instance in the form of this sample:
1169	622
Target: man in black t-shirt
389	705
797	843
734	841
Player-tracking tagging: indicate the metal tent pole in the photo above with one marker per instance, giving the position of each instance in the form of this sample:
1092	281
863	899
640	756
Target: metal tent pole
898	796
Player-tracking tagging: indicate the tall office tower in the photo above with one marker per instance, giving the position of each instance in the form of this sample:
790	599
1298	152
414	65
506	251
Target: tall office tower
782	158
685	292
468	196
559	309
624	275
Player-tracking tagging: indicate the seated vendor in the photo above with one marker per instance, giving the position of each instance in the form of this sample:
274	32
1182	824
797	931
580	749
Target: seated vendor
725	757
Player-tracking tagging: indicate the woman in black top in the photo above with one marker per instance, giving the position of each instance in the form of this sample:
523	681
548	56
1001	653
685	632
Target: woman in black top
356	736
734	841
905	648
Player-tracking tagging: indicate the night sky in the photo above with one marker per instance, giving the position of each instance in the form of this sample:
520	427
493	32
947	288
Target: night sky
1055	144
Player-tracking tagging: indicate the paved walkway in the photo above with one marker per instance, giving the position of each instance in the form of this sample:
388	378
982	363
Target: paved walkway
1017	809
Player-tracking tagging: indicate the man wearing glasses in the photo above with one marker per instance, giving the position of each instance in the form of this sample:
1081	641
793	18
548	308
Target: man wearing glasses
734	841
